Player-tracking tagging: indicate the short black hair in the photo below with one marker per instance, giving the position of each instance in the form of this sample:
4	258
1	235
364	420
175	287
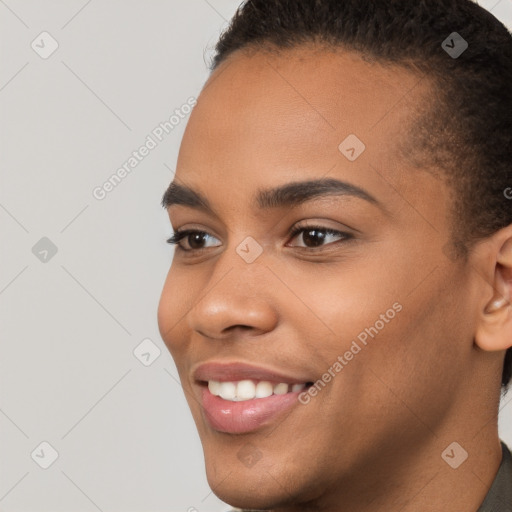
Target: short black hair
465	127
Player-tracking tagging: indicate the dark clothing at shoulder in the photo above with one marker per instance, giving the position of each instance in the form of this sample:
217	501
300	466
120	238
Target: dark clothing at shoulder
499	497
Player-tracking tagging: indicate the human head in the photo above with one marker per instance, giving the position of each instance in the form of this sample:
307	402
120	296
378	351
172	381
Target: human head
275	104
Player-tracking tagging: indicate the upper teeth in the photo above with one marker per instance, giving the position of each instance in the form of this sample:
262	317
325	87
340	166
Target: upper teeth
248	389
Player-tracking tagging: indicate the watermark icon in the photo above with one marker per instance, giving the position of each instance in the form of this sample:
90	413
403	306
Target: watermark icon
44	455
454	455
44	45
454	45
355	347
249	249
352	147
508	192
146	352
44	250
152	140
249	455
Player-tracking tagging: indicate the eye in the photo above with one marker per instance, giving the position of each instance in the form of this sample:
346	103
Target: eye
315	236
193	237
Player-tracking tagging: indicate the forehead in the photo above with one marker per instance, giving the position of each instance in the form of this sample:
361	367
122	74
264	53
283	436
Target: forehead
271	117
326	89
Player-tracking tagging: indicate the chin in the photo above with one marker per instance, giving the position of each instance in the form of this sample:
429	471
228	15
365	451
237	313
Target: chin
254	499
250	488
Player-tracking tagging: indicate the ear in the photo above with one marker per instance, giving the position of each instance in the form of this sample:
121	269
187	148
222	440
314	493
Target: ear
494	327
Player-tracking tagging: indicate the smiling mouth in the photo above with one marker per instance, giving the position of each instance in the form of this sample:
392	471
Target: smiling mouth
245	406
248	389
241	398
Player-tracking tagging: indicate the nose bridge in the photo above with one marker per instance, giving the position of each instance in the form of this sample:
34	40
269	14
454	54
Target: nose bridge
237	293
245	258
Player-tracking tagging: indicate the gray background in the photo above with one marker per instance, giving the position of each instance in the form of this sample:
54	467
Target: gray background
72	320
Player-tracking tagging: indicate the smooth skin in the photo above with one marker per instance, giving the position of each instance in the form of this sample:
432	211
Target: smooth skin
372	439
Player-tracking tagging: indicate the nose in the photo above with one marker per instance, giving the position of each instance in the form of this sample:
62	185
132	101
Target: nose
236	301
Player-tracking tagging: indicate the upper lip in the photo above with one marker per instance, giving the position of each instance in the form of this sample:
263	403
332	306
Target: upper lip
235	371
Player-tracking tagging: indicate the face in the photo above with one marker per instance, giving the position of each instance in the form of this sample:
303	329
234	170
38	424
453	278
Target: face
360	300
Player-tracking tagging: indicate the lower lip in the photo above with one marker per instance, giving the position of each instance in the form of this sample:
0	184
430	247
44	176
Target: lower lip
245	416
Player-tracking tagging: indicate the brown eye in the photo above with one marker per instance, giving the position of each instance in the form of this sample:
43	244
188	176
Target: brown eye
317	236
193	237
195	240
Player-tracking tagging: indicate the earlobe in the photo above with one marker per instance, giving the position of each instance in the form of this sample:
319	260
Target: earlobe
494	329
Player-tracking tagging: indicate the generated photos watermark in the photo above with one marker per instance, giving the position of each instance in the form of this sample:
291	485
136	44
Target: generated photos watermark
156	136
355	348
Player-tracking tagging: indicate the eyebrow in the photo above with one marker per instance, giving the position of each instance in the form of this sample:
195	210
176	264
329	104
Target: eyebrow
288	195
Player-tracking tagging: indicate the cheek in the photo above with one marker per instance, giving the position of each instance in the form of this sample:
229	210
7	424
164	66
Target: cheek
340	303
422	354
171	312
376	314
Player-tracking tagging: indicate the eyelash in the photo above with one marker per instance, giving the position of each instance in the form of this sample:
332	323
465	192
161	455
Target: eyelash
178	235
